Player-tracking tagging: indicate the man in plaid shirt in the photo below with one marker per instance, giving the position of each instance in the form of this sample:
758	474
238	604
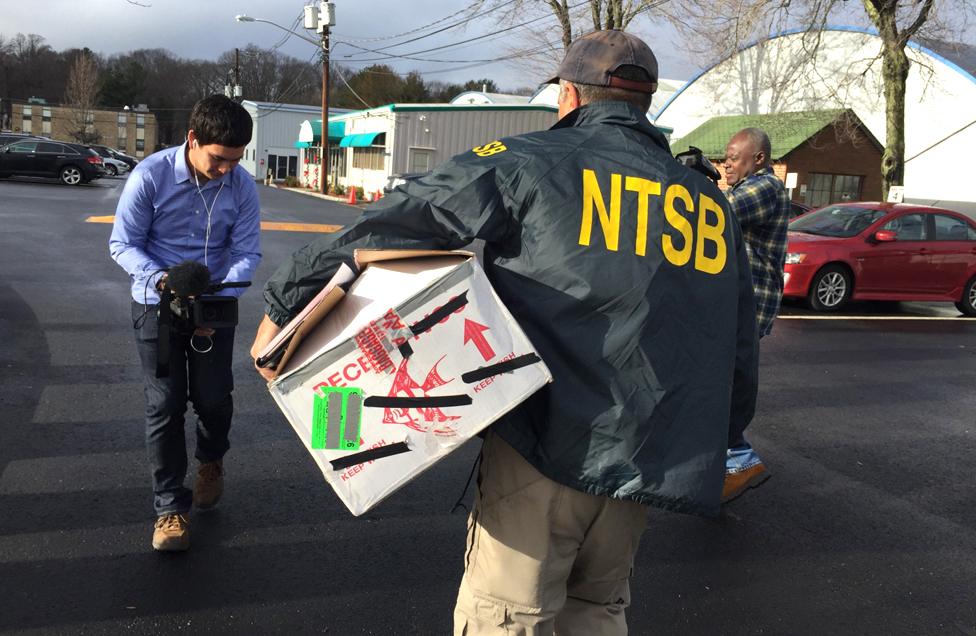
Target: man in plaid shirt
759	201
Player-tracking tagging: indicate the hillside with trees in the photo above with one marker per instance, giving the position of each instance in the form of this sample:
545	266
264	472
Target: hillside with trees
169	84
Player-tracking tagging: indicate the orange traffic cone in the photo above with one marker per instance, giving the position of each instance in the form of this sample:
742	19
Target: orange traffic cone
352	196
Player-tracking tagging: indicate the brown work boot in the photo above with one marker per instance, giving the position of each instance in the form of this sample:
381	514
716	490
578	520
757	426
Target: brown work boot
209	485
172	533
739	482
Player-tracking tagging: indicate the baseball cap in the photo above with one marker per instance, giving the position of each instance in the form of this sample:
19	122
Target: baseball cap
594	58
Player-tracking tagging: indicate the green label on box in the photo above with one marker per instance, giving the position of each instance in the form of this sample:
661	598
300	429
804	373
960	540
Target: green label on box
336	418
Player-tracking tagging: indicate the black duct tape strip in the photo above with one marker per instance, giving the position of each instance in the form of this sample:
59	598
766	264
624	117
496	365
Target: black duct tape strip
417	402
369	455
502	367
453	305
405	350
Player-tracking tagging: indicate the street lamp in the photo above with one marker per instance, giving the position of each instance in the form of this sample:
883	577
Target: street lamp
319	18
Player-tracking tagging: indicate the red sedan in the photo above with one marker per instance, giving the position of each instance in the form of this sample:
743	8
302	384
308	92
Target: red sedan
881	251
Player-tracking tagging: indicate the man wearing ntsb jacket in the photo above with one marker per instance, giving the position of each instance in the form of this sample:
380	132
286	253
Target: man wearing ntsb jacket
629	276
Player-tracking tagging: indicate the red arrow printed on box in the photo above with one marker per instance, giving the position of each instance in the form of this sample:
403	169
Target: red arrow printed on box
474	332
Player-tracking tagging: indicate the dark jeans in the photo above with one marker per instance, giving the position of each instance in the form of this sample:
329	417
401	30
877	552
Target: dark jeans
743	407
207	381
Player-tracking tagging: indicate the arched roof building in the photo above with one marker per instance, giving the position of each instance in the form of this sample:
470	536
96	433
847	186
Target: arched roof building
841	68
482	97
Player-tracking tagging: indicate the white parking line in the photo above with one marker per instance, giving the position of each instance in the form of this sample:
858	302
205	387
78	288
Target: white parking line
954	318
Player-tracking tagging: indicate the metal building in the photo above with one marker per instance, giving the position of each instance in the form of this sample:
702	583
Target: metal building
272	144
411	138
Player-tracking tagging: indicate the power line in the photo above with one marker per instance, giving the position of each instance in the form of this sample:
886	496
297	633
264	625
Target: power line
447	46
441	30
412	31
473	63
285	38
466	64
285	93
537	50
351	89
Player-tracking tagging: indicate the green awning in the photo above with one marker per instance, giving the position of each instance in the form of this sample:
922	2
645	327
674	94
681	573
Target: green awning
361	140
337	130
309	135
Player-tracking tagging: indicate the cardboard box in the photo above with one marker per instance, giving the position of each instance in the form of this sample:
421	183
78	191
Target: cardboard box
384	380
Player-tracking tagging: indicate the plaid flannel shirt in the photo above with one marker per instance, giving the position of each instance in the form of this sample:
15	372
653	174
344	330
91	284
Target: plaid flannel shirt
760	204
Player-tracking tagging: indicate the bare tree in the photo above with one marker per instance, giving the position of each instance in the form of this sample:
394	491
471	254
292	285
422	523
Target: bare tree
530	20
80	96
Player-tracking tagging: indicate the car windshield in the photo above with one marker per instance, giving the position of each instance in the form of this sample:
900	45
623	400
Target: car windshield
836	220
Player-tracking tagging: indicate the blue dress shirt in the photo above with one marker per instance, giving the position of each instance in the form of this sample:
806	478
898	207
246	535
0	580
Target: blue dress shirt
162	219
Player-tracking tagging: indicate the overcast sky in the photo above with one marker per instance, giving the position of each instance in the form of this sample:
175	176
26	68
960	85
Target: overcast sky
203	29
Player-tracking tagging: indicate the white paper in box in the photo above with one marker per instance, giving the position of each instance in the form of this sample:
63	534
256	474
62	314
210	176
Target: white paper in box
359	345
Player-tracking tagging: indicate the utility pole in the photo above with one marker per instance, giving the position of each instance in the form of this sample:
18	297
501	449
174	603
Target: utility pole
233	91
238	93
321	18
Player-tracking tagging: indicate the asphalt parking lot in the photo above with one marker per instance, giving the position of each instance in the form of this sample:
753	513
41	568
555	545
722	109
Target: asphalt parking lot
867	420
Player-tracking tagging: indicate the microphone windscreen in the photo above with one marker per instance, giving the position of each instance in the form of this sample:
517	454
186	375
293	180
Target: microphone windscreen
188	278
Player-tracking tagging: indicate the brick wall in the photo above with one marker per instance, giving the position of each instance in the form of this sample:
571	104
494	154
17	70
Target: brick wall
824	154
105	121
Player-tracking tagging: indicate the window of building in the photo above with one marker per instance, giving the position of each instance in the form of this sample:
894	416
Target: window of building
140	121
421	159
949	228
369	158
825	188
140	137
26	116
123	125
46	121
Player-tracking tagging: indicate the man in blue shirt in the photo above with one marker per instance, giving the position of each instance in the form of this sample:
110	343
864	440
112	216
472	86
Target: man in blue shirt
191	203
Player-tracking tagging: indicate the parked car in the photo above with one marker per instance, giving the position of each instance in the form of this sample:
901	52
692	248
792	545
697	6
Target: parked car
10	137
72	163
113	166
106	151
796	209
881	251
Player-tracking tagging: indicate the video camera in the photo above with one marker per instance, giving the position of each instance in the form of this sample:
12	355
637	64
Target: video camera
187	303
695	159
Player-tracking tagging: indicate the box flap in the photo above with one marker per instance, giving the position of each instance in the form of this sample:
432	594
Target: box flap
380	288
276	353
366	256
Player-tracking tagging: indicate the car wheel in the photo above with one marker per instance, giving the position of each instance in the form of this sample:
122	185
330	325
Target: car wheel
968	303
71	175
112	170
831	289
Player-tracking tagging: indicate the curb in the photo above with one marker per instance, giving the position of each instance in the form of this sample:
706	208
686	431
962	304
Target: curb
318	195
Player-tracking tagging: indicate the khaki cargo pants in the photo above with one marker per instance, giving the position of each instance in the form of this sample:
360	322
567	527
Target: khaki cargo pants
541	558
